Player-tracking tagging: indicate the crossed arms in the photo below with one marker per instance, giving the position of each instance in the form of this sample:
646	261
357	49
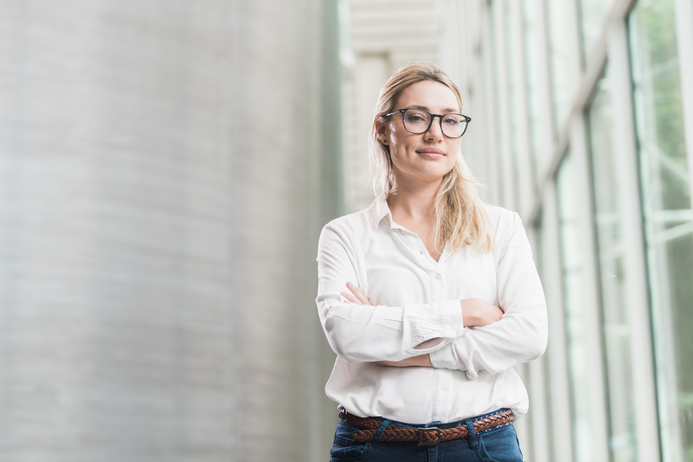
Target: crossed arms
468	335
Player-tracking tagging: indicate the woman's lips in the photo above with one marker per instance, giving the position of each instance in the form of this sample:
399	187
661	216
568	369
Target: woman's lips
431	153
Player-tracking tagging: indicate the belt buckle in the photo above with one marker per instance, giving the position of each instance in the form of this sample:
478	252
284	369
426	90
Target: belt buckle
423	430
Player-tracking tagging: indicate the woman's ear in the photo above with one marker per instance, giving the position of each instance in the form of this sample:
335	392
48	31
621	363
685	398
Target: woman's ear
381	129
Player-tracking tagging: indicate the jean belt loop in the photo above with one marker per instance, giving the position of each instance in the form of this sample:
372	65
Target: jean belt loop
472	436
380	430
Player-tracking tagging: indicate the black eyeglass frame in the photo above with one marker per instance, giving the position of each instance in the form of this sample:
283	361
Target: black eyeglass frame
433	116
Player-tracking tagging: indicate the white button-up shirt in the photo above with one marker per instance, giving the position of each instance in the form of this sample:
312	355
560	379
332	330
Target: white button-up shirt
416	299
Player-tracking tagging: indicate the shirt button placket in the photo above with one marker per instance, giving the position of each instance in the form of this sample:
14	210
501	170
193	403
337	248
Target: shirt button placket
442	396
435	286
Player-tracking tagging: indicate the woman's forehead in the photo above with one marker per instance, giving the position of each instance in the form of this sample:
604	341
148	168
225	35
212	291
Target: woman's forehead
430	95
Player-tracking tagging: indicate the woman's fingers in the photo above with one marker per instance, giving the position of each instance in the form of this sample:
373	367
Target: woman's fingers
356	290
350	298
356	296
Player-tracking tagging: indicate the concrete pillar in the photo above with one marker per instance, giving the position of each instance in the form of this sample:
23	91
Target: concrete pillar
161	190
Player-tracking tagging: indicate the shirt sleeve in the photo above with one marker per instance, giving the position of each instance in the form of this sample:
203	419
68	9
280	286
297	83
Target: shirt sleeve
522	333
361	333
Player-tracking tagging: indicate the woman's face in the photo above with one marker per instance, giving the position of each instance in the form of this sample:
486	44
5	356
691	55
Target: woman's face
426	157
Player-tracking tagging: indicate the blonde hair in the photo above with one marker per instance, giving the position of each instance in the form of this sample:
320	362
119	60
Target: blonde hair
459	212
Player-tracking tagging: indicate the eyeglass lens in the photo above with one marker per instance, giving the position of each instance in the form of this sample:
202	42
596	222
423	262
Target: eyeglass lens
418	121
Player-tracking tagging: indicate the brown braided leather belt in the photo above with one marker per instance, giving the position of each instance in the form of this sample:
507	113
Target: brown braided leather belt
426	436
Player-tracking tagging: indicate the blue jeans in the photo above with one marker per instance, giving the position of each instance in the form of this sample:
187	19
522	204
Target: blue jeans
497	444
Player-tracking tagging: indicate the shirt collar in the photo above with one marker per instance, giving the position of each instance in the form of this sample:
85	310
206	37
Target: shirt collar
379	210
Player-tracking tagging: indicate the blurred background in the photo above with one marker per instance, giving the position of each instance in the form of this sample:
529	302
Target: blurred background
166	167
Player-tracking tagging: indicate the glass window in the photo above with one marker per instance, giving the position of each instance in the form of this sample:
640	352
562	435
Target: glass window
544	440
610	245
666	198
594	15
560	56
496	60
577	335
514	100
531	23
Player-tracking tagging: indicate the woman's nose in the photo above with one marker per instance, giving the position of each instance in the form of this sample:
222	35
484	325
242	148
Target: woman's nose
434	131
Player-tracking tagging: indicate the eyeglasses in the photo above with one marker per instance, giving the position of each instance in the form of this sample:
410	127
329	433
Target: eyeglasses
419	121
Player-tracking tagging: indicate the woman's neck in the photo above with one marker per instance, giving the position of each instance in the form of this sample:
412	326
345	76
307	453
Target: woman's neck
414	209
413	202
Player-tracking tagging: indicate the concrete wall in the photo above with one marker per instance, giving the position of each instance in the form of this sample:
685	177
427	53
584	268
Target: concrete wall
163	178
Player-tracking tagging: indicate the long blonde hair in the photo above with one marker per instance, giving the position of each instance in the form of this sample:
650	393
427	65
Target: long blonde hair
460	214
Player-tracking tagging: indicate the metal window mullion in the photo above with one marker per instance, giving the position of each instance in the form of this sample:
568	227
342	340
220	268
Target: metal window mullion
525	172
684	34
560	143
574	63
447	50
546	121
560	430
635	296
475	143
489	120
473	83
462	78
503	116
596	382
538	420
540	426
524	426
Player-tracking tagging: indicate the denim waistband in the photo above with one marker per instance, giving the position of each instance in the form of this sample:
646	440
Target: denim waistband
439	424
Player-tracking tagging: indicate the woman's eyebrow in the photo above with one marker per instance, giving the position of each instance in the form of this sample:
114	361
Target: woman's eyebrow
446	110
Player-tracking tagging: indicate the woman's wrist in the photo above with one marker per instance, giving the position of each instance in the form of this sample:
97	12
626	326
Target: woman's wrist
414	361
468	313
477	313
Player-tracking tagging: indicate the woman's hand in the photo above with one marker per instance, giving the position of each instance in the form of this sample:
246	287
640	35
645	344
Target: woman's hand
356	296
477	313
414	361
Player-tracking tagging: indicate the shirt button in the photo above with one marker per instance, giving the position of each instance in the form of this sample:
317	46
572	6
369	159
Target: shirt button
445	387
438	276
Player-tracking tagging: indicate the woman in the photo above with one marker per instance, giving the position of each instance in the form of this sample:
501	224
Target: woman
429	297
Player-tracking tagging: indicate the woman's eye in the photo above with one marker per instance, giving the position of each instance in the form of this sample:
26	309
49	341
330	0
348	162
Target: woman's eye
415	117
451	121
